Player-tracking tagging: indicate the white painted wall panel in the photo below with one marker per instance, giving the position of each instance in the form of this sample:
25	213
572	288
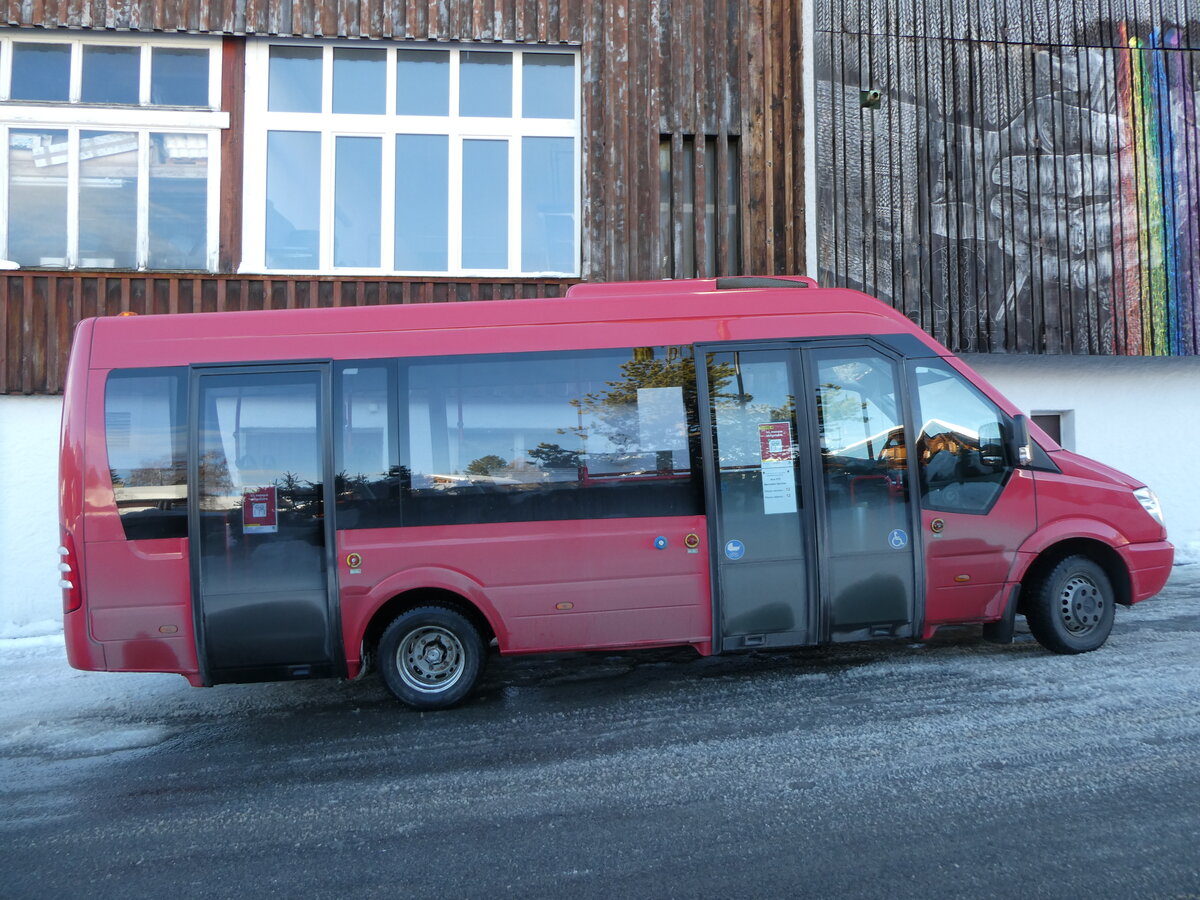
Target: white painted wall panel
1137	414
30	601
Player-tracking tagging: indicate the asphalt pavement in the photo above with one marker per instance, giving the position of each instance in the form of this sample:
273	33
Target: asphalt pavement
952	768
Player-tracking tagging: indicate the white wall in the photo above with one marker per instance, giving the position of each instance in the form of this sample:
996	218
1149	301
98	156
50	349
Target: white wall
1137	414
30	601
1140	415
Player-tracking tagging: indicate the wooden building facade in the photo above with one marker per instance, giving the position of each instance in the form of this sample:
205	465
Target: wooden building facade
689	152
1018	177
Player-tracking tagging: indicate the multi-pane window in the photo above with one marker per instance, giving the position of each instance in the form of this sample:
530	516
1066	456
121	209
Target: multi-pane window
402	159
111	151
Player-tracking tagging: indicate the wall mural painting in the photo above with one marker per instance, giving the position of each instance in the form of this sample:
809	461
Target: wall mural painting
1014	197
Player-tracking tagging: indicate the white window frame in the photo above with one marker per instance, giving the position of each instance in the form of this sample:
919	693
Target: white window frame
386	126
143	120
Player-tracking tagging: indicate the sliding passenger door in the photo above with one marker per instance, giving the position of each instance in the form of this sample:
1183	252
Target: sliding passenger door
764	578
865	526
260	538
808	494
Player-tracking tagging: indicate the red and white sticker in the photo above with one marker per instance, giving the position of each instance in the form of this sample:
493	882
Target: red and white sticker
260	511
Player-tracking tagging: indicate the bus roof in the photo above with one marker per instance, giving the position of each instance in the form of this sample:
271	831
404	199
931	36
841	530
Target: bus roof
647	313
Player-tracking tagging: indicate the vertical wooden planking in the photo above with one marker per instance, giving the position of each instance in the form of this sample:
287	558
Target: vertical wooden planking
233	89
592	113
794	129
32	345
58	295
618	181
678	218
9	352
699	208
755	219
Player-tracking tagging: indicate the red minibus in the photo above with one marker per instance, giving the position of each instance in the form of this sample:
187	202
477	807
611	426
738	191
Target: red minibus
728	464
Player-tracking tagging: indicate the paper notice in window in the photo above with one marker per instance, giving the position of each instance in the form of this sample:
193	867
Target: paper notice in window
662	424
778	468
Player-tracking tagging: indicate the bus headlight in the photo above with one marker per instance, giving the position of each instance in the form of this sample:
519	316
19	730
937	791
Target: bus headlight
1150	504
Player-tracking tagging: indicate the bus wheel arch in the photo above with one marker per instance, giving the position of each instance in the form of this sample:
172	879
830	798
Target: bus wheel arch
1068	595
401	603
430	647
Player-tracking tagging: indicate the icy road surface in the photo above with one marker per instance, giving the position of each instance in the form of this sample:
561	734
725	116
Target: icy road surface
948	769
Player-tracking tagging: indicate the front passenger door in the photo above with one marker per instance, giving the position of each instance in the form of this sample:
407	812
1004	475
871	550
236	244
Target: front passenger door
977	506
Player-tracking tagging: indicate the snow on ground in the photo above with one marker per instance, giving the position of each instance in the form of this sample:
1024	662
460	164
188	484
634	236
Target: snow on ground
50	709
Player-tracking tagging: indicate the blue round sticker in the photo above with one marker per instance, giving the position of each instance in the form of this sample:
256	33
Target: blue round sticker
660	543
898	539
735	549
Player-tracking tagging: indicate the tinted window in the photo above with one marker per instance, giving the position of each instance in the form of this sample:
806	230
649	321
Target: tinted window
367	480
960	451
145	429
863	453
41	71
111	74
179	77
539	436
601	434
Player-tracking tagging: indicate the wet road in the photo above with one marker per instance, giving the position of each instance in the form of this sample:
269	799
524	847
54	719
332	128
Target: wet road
947	769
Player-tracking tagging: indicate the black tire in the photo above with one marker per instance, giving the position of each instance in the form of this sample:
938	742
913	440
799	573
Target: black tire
431	657
1071	608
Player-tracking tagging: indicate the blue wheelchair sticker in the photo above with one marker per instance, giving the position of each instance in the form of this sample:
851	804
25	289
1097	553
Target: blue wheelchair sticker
735	549
660	543
898	539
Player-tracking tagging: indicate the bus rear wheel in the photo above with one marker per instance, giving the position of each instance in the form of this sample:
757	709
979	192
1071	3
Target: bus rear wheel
431	657
1072	607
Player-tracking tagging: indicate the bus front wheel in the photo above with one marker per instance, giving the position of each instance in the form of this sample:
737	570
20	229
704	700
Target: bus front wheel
1072	607
431	657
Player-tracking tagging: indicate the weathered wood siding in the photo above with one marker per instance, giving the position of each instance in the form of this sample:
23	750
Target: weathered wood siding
1029	180
653	71
41	309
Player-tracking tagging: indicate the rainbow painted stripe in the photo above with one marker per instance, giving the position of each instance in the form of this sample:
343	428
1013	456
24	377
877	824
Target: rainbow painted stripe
1156	280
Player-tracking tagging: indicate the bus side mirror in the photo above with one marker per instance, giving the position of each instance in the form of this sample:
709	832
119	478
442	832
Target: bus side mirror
1019	448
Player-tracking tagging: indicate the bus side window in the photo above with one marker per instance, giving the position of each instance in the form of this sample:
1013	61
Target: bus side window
548	436
960	450
145	431
367	474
